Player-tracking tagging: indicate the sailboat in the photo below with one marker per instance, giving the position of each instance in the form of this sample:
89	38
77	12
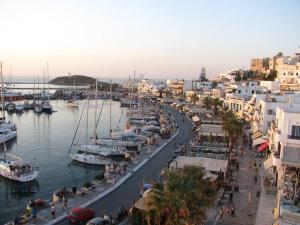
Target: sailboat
18	169
86	156
8	130
72	102
38	108
47	107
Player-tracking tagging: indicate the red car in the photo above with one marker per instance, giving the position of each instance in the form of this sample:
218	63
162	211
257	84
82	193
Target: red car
80	215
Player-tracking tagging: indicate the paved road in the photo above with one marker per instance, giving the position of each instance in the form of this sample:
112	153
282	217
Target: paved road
126	193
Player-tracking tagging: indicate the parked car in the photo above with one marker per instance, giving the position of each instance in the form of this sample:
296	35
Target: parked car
100	221
80	215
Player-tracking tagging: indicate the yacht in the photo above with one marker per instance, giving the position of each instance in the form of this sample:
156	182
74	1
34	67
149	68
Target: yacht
107	151
17	170
7	134
90	159
19	108
38	108
47	107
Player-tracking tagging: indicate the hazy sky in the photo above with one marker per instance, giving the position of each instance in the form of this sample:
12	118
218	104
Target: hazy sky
159	38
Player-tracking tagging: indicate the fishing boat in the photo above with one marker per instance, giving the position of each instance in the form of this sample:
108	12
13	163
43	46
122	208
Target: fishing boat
91	159
46	107
18	169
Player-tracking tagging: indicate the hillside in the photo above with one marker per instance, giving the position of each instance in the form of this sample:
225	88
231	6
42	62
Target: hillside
77	79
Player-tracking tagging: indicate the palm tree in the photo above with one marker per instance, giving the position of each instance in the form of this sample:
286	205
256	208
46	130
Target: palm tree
216	103
207	102
195	98
183	198
232	126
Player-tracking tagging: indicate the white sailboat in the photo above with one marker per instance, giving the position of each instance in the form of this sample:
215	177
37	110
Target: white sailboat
47	107
108	151
72	102
38	108
85	156
18	169
91	159
8	130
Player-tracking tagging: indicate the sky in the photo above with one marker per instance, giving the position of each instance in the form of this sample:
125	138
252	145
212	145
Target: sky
157	38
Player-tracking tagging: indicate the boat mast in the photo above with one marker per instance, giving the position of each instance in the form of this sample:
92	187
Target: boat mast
96	96
47	78
34	74
10	82
110	89
2	89
44	84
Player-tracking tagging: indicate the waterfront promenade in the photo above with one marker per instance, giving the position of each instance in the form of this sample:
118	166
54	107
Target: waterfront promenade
128	191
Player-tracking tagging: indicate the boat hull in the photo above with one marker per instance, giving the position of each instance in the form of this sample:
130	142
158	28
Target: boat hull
90	159
23	178
7	137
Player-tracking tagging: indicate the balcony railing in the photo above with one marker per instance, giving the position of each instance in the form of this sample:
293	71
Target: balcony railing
293	137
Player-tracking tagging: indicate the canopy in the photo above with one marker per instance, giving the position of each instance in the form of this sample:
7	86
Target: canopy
258	141
263	146
195	118
268	163
257	134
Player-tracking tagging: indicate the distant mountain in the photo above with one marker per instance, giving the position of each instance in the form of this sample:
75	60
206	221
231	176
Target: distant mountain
79	80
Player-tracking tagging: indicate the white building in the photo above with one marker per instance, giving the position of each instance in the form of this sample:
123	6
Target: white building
271	86
151	87
244	90
284	161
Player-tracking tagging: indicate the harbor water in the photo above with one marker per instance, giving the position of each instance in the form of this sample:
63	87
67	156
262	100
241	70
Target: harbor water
45	139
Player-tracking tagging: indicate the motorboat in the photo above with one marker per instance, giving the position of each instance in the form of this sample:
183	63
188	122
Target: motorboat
91	159
26	105
18	170
10	107
107	151
7	134
19	108
8	124
47	107
38	108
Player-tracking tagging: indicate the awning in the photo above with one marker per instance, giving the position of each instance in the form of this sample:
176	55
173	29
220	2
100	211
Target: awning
268	163
263	146
208	115
258	141
195	118
257	134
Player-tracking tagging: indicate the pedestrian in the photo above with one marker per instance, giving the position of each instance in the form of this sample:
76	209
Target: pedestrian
237	165
250	164
124	168
231	197
254	164
221	213
241	150
106	216
74	189
65	203
34	214
53	211
232	210
250	197
255	179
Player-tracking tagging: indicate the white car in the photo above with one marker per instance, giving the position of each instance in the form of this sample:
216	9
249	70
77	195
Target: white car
100	221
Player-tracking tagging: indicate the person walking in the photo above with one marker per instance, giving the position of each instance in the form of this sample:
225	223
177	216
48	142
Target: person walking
34	214
53	212
74	190
231	197
65	203
232	210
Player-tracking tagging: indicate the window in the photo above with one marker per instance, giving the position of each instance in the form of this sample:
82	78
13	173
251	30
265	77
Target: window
283	73
252	84
271	112
239	91
269	123
295	132
252	91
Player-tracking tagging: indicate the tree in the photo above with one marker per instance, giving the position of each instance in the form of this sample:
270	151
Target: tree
195	98
232	126
216	103
207	102
183	198
238	76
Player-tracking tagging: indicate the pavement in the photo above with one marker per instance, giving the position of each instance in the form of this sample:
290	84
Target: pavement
126	191
245	210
